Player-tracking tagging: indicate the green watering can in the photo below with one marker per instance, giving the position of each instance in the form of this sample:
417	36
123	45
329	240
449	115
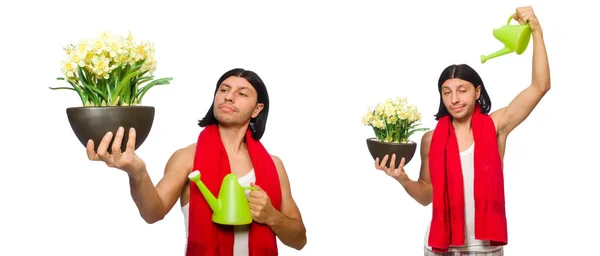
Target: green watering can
514	37
231	207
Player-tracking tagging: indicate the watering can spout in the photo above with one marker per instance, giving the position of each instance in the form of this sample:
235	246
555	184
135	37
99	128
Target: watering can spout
514	37
498	53
210	198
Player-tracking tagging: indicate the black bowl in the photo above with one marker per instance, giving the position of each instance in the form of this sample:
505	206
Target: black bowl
94	122
380	149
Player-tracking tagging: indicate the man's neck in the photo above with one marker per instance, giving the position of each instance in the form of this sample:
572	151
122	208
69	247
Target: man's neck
232	138
463	124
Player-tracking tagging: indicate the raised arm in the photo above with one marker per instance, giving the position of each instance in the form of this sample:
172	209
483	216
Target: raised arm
509	117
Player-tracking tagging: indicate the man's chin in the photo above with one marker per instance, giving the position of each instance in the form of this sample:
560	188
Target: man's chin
227	122
460	115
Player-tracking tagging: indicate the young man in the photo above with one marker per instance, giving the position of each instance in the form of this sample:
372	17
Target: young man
461	160
229	143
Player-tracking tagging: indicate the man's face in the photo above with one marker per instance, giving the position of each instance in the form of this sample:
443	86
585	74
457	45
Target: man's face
236	102
459	97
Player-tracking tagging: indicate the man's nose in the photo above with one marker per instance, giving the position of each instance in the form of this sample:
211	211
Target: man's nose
229	96
454	98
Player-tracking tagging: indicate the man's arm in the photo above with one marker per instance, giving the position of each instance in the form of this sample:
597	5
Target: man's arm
287	224
155	202
508	118
420	189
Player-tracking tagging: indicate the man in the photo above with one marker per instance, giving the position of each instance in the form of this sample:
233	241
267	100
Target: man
229	143
461	160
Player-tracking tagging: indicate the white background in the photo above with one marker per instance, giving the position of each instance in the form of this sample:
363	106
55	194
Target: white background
323	64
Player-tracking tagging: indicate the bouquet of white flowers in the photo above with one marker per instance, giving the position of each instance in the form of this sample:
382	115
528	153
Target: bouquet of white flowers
394	121
110	70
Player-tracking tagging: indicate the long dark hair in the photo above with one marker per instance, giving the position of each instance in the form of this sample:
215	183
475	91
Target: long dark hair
464	72
258	124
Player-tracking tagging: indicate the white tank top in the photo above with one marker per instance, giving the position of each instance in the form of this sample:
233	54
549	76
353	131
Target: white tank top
240	246
468	172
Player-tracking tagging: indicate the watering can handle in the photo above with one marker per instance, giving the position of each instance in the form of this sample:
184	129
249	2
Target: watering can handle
511	18
250	188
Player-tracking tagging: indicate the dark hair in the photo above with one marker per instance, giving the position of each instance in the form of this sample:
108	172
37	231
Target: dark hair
258	124
464	72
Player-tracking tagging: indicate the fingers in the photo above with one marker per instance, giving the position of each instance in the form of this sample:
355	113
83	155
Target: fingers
392	171
392	164
253	201
387	169
524	15
116	146
515	16
103	146
254	213
131	140
90	150
381	165
518	16
401	165
257	187
400	170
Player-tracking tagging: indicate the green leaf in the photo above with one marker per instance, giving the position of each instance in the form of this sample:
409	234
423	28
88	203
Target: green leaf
82	76
79	90
122	85
62	88
144	79
161	81
96	90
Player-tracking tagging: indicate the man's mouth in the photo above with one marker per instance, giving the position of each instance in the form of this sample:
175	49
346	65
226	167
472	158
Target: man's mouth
227	107
457	108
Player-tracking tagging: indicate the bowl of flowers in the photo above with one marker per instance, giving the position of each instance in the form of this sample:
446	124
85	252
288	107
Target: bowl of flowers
393	121
110	74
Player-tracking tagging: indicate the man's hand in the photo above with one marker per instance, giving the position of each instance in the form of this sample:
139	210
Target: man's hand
394	172
526	15
260	206
127	161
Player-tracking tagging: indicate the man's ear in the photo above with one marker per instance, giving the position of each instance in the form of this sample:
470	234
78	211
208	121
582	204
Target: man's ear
259	107
478	91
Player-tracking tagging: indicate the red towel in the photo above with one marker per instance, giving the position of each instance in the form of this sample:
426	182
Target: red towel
208	238
447	222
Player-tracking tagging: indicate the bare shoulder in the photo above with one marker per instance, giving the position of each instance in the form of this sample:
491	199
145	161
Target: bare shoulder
278	164
426	141
186	152
282	173
182	159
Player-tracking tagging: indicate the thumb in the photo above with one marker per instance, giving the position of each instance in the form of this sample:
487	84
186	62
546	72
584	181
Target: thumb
515	16
257	187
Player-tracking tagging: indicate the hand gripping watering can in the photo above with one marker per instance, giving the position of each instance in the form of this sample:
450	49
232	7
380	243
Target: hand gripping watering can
514	37
231	206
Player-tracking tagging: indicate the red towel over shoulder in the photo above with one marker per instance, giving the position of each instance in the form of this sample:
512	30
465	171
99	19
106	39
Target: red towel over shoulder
447	222
206	238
